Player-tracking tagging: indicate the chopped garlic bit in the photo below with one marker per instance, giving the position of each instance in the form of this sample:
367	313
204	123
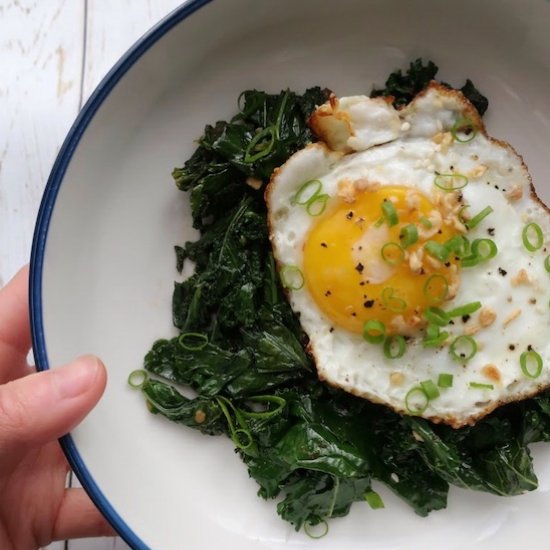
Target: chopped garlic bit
491	371
514	193
397	378
472	329
435	219
478	171
522	278
487	317
346	190
415	260
255	183
514	315
364	184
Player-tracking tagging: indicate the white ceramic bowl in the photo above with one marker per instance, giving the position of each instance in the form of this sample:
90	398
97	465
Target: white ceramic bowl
103	264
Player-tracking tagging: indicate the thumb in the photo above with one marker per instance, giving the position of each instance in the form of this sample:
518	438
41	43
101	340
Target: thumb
44	406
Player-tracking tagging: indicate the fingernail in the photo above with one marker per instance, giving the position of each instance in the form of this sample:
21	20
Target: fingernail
76	377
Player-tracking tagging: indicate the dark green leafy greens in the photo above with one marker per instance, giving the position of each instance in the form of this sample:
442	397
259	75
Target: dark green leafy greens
403	87
316	448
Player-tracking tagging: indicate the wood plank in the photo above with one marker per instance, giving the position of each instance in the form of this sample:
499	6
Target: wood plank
41	58
112	27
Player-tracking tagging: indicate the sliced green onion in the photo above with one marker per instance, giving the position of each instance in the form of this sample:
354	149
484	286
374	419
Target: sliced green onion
416	400
436	316
478	386
193	341
482	251
309	190
445	380
434	337
292	277
446	183
235	433
257	148
137	378
321	534
392	253
374	500
268	399
547	263
389	212
478	218
317	205
374	331
430	389
394	346
532	237
393	302
426	222
466	309
458	245
468	346
437	250
459	214
379	222
528	360
408	235
462	125
436	288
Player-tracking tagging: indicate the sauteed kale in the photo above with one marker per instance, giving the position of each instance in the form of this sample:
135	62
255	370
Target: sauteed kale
241	348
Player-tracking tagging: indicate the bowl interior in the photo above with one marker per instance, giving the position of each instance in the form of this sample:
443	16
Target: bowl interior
108	262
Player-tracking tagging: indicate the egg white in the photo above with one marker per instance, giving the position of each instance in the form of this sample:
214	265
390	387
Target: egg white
408	155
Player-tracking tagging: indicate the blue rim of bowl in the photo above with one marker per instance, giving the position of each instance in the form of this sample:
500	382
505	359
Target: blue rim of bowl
41	234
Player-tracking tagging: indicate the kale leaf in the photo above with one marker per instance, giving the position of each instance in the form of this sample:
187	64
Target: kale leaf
404	87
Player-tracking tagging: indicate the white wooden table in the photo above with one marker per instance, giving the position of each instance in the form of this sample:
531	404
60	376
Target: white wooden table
53	53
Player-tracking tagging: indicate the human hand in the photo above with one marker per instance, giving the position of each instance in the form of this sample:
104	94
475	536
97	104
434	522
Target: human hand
35	410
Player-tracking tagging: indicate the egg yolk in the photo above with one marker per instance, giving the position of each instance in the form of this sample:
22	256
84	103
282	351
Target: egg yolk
361	264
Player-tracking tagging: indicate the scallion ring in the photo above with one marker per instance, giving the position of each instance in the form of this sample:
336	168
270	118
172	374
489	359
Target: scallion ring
463	348
308	191
445	380
437	250
267	400
466	127
137	378
430	389
308	526
532	237
479	386
392	253
389	213
393	302
458	245
460	215
436	316
235	433
478	218
416	400
437	341
466	309
317	205
482	250
193	341
374	331
394	346
446	182
260	145
547	263
408	235
528	360
426	222
436	288
292	277
374	500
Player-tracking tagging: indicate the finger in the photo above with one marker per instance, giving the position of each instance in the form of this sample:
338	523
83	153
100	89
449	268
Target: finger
78	518
15	336
41	407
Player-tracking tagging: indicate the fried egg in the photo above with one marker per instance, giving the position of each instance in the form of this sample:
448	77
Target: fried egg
415	252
